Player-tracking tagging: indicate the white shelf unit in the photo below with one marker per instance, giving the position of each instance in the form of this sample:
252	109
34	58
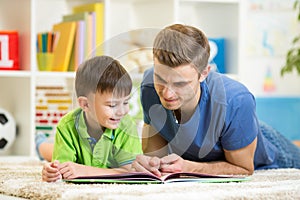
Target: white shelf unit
217	18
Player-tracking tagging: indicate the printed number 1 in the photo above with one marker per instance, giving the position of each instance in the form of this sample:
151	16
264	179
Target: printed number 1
4	57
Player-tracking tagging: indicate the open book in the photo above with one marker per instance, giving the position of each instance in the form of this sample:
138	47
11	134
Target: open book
145	178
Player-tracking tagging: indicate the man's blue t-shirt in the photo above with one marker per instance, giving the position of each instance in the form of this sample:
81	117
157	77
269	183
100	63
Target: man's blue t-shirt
225	118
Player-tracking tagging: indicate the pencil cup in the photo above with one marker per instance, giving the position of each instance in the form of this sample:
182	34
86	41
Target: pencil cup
45	61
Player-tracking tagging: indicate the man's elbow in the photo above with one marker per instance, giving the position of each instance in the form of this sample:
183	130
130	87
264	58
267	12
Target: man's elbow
250	170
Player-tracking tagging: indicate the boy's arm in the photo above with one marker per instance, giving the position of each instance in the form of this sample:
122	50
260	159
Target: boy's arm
70	170
46	150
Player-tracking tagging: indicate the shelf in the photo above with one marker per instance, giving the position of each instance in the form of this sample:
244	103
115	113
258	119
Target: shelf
55	74
211	1
12	74
216	19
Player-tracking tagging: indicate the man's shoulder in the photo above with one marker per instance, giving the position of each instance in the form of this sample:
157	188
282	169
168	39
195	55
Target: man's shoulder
214	77
229	85
226	90
148	77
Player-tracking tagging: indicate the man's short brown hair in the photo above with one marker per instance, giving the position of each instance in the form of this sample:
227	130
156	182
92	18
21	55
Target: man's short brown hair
180	44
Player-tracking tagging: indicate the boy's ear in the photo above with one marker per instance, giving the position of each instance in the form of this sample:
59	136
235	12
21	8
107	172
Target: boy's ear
83	103
204	73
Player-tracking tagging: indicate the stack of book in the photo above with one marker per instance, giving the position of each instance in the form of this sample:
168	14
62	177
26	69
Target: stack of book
75	38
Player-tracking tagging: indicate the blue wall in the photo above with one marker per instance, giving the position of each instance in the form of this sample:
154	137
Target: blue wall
281	113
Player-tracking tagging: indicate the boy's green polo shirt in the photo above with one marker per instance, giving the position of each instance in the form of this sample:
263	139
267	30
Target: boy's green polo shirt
115	147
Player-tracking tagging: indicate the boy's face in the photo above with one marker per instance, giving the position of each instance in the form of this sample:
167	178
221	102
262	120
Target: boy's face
106	110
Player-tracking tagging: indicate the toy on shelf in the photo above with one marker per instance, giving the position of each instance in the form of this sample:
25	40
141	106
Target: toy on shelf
52	103
9	50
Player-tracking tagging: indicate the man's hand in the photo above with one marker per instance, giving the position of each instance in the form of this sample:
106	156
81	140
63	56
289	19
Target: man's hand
172	163
147	164
50	172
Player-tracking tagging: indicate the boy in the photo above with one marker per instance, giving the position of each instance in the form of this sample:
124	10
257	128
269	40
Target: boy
97	138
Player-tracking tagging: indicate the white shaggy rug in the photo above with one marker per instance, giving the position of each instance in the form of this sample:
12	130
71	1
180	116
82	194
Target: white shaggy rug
23	179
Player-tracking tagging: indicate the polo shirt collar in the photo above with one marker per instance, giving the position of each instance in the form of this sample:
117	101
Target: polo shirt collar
82	128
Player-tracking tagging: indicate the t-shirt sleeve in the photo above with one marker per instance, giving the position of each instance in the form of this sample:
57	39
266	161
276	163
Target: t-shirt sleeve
63	150
241	124
127	145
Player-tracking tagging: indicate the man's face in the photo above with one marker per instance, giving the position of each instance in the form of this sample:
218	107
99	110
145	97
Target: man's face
178	88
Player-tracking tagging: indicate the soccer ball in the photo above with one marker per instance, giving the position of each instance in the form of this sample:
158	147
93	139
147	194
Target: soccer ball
7	130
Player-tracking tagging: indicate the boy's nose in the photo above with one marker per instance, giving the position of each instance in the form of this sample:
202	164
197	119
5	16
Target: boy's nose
122	110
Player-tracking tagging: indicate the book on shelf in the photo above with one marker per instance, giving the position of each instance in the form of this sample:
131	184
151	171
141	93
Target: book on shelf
92	41
83	37
146	178
79	49
96	9
65	35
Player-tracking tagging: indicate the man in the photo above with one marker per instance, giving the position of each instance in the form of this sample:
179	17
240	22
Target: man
197	120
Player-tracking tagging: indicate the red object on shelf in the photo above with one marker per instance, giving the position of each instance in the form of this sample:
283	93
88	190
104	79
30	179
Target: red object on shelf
43	121
38	114
9	50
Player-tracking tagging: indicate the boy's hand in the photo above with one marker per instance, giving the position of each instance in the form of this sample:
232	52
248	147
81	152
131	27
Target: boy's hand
50	172
70	170
146	164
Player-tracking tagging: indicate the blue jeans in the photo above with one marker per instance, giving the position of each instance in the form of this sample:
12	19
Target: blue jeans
288	153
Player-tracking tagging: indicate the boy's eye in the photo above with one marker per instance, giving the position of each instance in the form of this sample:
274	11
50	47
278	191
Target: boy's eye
112	105
126	102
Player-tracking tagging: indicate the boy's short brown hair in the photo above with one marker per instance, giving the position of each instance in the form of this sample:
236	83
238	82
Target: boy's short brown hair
102	74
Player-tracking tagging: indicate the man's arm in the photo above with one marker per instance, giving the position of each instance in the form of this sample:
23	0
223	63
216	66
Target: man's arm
237	162
152	143
243	158
154	147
